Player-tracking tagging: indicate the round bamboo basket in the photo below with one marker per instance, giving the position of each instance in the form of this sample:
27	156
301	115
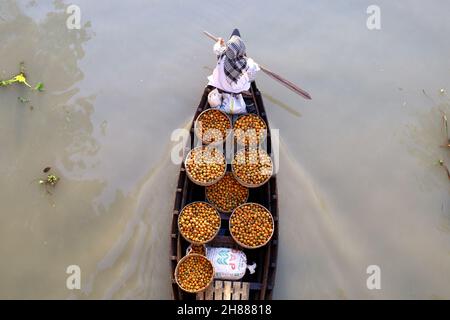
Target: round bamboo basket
184	236
182	260
249	185
216	206
197	128
200	183
242	244
260	140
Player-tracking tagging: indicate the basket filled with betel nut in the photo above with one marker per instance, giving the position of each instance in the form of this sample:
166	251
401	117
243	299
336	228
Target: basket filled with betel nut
194	273
199	222
212	126
205	165
252	167
249	130
227	194
251	225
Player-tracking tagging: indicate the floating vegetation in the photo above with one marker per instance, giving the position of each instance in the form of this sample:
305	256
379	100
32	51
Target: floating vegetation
50	181
39	87
22	79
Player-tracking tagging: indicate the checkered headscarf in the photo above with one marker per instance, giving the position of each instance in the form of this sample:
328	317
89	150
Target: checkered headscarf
235	62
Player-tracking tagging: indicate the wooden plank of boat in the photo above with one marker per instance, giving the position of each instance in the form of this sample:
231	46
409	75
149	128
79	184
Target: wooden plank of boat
226	290
257	286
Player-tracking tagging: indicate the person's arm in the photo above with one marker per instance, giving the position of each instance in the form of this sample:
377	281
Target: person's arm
252	69
219	47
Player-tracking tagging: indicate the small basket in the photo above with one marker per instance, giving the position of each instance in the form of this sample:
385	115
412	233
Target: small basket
248	185
191	241
204	184
261	139
244	245
219	209
190	249
197	129
184	259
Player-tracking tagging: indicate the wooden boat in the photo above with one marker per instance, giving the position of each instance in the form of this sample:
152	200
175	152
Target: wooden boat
257	286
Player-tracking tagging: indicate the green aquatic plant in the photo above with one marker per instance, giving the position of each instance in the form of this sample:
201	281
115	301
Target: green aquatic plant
39	87
22	79
50	180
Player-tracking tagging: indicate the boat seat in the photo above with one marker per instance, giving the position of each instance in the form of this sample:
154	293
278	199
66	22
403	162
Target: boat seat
225	290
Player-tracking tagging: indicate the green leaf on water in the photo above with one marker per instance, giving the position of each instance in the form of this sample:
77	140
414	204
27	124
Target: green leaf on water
21	78
39	87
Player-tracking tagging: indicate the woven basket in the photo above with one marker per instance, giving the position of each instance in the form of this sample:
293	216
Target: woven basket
244	245
195	242
219	209
203	184
248	185
261	139
197	129
184	259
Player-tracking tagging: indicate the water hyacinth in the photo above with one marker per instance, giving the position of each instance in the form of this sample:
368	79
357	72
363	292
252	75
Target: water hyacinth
22	79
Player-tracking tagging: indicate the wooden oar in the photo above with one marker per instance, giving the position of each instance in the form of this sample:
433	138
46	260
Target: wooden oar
273	75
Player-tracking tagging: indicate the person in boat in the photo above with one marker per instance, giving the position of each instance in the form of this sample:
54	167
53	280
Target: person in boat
233	73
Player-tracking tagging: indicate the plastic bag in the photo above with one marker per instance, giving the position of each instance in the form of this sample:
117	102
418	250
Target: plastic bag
233	104
215	98
229	264
228	103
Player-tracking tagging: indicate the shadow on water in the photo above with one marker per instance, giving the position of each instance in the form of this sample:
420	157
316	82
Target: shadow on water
282	105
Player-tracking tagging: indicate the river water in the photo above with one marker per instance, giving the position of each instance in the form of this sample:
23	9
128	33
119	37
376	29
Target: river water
359	181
